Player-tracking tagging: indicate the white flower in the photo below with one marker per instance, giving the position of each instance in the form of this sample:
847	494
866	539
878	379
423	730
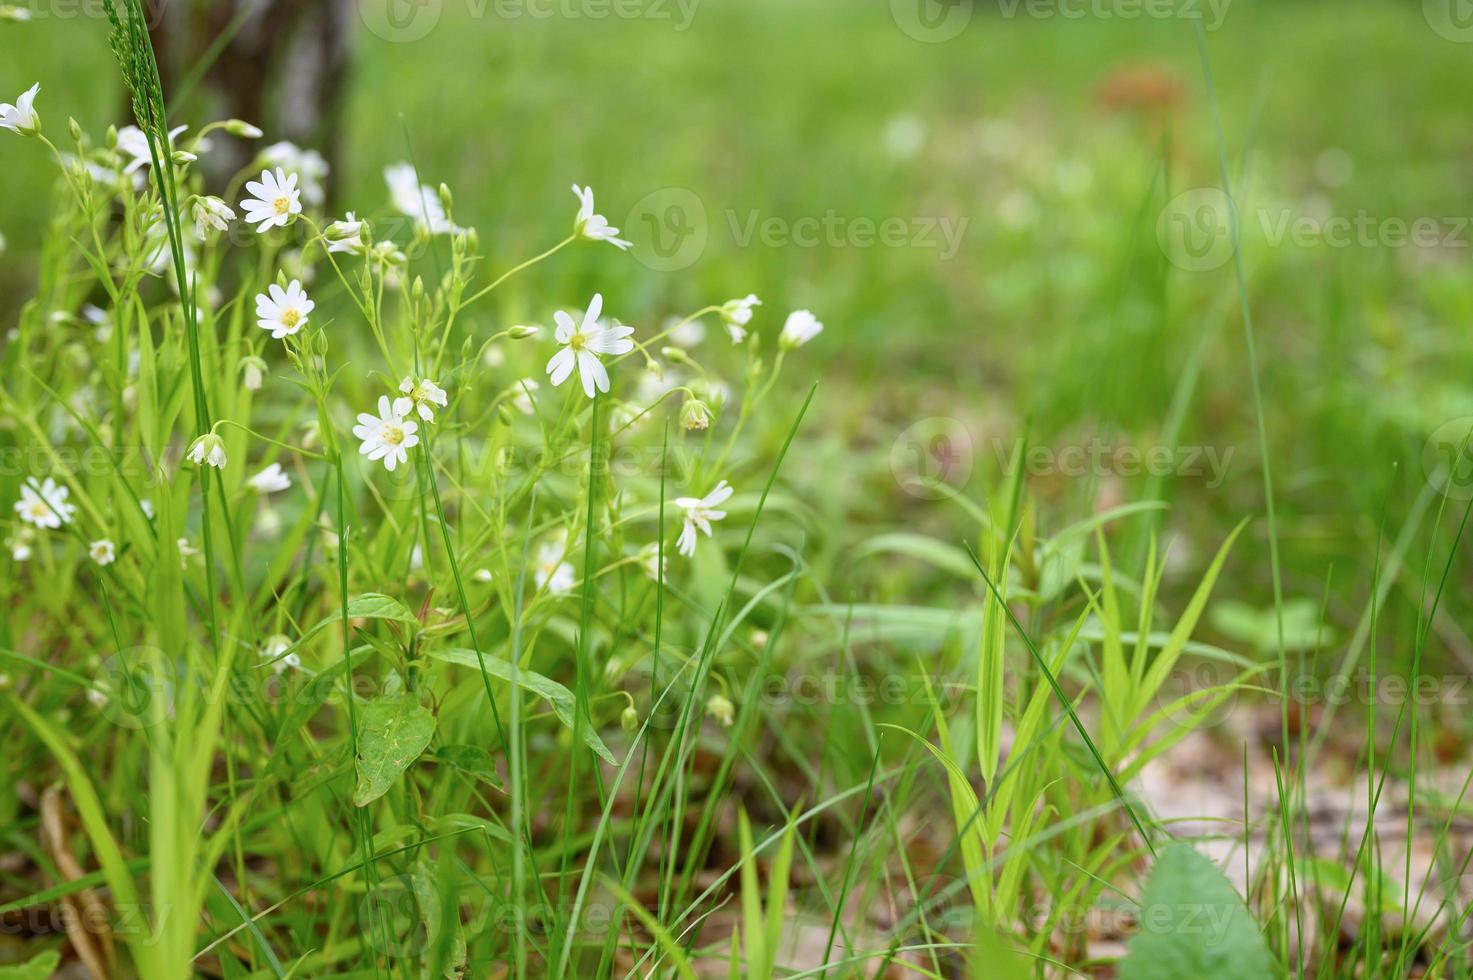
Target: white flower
146	506
283	311
650	561
211	212
419	201
132	142
274	654
274	201
721	708
270	480
736	314
102	551
208	449
19	542
550	571
594	227
44	504
309	164
388	437
482	575
522	400
801	327
699	513
345	235
21	118
583	343
421	395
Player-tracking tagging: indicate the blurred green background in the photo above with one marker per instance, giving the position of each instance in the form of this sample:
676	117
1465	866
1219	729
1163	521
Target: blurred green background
1055	143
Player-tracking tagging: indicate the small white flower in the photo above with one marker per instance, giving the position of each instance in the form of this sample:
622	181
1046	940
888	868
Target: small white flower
134	144
419	201
102	551
594	227
345	235
736	314
309	164
283	311
20	541
721	708
208	450
482	575
801	327
583	343
186	551
21	118
650	561
699	513
44	504
388	437
420	396
522	401
687	333
146	506
211	212
274	654
274	201
270	480
549	569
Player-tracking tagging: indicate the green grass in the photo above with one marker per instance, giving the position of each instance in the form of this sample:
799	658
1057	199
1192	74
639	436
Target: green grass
875	721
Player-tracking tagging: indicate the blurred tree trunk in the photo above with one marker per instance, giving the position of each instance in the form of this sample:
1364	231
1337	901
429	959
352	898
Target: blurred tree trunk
279	64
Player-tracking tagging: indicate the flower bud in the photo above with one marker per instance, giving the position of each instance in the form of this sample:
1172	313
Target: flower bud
252	372
74	128
208	450
629	719
694	414
521	332
674	355
182	158
721	708
243	129
14	14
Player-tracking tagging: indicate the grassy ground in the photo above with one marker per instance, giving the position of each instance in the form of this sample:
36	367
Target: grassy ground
1037	168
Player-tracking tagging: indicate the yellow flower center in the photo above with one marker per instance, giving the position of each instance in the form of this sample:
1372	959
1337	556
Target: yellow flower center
577	342
39	509
393	435
290	318
282	204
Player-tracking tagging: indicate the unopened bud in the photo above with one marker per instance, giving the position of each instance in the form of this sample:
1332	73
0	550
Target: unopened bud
243	129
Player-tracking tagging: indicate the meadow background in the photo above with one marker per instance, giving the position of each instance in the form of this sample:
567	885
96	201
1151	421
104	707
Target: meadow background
1064	153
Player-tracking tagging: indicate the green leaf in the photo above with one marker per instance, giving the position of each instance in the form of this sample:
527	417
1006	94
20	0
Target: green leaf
1193	924
37	969
372	605
393	732
559	697
471	760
